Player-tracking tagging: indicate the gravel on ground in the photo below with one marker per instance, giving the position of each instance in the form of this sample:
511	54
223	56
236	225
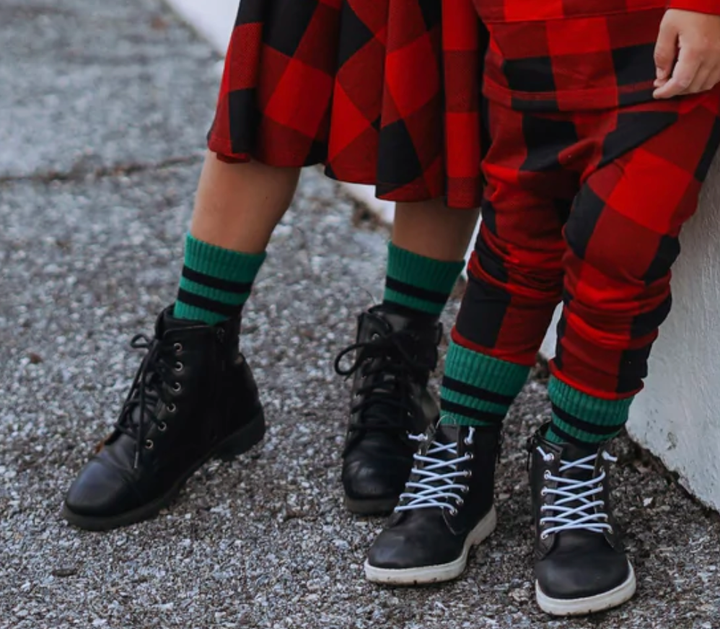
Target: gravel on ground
104	109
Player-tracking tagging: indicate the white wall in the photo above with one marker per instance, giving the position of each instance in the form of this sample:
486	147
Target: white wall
678	415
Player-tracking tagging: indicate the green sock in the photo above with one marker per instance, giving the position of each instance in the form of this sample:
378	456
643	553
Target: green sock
583	419
477	390
418	283
215	282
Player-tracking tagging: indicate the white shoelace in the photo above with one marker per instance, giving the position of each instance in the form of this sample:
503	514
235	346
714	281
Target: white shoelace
589	514
437	478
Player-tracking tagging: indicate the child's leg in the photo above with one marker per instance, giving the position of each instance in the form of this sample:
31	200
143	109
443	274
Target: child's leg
193	396
397	349
622	239
426	255
515	282
238	206
236	210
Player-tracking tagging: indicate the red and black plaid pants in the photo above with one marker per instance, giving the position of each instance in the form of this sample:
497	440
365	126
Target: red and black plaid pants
383	92
585	208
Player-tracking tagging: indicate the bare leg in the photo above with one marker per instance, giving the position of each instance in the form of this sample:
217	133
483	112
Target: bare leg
238	205
431	229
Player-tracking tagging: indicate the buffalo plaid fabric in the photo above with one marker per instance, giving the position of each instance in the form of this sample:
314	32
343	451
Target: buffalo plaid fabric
383	92
585	208
571	55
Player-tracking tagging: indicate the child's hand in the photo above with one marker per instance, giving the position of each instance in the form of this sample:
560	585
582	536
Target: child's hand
694	40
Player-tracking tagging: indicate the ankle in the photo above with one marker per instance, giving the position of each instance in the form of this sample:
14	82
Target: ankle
418	283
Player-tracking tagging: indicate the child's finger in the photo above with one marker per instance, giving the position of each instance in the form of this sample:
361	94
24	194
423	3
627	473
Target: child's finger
682	77
666	49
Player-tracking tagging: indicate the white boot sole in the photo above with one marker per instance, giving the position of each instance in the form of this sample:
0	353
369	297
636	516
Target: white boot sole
437	573
581	606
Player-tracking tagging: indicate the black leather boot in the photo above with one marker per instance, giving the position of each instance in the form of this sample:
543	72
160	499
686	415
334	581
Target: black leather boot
193	398
447	508
394	355
580	563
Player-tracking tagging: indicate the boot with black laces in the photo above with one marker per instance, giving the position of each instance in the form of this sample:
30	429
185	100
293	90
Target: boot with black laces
193	398
446	508
394	355
580	564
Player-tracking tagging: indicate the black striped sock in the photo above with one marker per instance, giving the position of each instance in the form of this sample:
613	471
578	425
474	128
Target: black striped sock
419	283
215	282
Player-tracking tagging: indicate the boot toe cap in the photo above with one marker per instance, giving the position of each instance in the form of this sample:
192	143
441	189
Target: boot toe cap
416	540
575	576
394	550
100	491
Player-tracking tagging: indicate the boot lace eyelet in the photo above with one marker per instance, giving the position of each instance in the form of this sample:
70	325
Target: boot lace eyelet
178	348
179	367
149	445
549	458
459	502
543	492
162	426
543	536
465	489
171	408
546	475
468	473
471	456
177	387
453	511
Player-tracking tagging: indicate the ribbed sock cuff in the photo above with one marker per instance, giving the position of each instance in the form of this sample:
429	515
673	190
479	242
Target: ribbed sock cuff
215	282
418	282
584	419
477	389
222	263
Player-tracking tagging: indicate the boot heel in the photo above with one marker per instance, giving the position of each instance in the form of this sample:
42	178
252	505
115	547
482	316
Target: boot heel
241	441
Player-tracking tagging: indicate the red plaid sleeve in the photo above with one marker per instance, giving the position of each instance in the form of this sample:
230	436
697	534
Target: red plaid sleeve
700	6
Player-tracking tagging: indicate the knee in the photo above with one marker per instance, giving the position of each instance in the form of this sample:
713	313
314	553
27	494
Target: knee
615	249
534	272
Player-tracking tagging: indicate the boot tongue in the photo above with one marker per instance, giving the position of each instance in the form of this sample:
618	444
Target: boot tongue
570	453
377	324
446	433
567	453
399	321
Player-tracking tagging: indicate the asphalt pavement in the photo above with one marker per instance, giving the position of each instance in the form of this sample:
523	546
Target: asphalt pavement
103	113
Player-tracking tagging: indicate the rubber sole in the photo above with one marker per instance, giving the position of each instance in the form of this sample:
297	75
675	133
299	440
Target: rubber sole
438	573
241	441
589	605
360	506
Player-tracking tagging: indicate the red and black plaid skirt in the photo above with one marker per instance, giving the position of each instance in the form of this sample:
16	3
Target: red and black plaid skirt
383	92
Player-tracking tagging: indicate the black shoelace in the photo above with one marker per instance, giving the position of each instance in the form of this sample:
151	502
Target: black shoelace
389	370
147	388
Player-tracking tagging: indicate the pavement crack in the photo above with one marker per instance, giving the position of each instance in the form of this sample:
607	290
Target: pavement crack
81	170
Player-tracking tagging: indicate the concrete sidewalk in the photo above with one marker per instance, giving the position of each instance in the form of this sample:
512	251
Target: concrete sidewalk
103	111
